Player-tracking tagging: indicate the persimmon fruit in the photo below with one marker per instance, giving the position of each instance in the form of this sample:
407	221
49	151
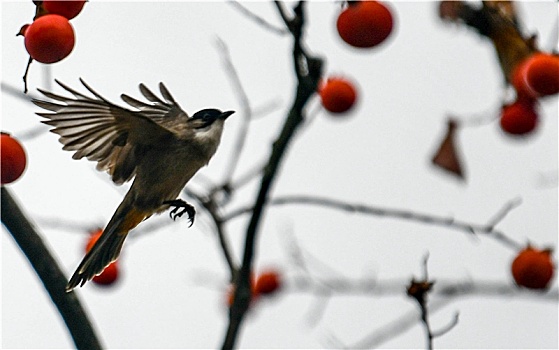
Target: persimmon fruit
66	8
365	24
533	268
49	39
338	95
537	76
520	117
268	282
111	273
13	159
108	276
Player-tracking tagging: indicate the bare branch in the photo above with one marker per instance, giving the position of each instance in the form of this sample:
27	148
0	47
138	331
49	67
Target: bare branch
306	87
49	272
448	327
500	215
25	75
259	20
395	213
246	111
212	208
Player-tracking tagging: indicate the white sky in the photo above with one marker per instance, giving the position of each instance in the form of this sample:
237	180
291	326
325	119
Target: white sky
377	156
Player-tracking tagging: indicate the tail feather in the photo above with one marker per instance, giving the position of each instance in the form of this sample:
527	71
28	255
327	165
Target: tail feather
108	246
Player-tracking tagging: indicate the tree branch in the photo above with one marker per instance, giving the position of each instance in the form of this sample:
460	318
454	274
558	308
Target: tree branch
259	20
49	272
306	87
488	229
246	111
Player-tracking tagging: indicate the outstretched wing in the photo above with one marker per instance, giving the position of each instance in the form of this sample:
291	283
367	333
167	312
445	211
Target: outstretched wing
113	136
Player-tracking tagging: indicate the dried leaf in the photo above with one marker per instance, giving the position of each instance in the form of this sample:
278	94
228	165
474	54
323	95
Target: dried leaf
446	156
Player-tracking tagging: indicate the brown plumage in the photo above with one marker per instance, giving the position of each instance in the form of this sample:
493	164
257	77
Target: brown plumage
157	144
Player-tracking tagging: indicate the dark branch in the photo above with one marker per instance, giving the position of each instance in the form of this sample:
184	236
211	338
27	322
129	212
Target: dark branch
306	87
49	272
212	208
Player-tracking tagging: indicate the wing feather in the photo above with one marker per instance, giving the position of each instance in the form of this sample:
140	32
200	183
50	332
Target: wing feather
113	136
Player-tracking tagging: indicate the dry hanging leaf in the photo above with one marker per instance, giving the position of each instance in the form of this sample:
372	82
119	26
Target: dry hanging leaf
447	155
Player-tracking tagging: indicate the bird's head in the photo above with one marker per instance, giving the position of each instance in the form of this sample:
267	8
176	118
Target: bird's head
205	118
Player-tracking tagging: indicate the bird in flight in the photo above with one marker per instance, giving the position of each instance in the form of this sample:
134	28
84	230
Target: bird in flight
156	143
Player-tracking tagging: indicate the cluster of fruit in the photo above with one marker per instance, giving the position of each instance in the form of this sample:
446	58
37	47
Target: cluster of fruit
362	24
267	283
50	38
535	77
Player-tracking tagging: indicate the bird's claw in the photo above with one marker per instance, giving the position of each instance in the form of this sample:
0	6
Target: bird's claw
181	207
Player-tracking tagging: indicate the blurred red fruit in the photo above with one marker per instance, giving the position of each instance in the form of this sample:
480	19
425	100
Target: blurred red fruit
538	75
268	282
364	24
66	8
543	73
49	38
520	117
520	83
111	272
337	95
231	291
13	159
532	268
94	236
108	276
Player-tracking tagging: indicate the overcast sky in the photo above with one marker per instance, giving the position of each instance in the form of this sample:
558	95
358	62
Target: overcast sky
171	294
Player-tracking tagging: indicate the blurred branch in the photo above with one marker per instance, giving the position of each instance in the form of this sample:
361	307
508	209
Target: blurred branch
259	20
17	93
445	291
49	272
308	70
211	207
419	291
488	229
246	110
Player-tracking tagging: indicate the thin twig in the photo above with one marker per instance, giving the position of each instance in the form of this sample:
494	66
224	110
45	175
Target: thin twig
246	110
250	175
395	213
500	215
25	74
448	327
211	207
259	20
15	92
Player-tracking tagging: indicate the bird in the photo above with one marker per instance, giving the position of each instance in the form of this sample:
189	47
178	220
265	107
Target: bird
157	143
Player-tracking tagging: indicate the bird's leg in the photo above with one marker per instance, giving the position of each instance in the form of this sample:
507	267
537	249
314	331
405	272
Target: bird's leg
181	207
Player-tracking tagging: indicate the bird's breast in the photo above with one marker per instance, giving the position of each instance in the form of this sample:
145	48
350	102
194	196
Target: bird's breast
163	173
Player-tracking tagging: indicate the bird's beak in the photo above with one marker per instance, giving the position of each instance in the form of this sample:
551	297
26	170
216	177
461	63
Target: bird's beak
224	115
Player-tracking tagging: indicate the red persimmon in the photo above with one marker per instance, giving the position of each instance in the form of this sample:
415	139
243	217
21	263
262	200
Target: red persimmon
66	8
365	24
532	268
337	95
49	39
13	159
